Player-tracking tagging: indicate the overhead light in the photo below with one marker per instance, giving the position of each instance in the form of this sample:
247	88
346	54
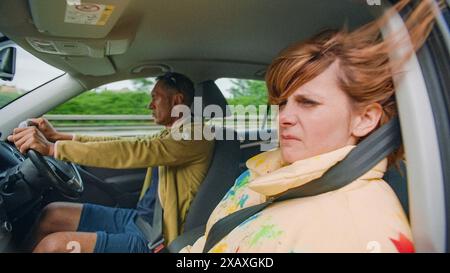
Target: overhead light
154	68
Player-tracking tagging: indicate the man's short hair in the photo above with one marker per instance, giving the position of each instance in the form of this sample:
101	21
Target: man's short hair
180	83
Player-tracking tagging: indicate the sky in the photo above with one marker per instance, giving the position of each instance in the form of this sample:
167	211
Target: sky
32	72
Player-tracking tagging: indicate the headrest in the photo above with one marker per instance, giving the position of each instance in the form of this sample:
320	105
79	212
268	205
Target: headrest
210	94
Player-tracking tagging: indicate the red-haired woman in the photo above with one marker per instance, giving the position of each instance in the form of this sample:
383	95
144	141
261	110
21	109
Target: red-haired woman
333	90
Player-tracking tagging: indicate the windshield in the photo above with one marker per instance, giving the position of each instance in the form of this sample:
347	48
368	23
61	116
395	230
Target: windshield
30	73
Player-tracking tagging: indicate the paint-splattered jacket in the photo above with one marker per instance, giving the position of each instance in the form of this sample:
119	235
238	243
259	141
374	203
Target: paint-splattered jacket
364	216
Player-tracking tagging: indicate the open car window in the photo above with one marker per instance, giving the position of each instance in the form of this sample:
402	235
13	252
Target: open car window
248	102
117	108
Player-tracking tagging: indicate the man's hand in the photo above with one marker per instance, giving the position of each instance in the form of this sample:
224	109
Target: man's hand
46	128
32	138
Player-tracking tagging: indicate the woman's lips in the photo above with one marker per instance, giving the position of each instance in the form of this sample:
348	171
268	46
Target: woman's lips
287	137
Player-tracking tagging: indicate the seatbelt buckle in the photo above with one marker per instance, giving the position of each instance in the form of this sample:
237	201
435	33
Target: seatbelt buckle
156	246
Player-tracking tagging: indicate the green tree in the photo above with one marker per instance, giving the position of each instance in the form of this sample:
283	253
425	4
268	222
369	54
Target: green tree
248	92
6	98
143	84
106	103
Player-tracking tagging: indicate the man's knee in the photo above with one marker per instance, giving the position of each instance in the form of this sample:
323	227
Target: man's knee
73	242
53	243
60	216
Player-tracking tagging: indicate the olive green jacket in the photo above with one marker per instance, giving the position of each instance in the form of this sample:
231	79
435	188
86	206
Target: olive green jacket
182	165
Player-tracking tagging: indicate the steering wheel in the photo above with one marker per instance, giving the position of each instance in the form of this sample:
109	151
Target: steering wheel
64	176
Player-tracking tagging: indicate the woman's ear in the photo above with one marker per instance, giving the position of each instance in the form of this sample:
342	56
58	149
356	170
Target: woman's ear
367	120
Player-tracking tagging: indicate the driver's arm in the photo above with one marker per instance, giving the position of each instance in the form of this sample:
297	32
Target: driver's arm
122	154
51	134
133	153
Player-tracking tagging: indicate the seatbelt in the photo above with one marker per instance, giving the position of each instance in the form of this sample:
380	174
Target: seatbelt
153	233
367	154
157	242
187	238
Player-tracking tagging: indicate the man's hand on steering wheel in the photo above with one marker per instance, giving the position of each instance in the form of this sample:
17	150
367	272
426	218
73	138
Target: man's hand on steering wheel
31	138
48	130
63	176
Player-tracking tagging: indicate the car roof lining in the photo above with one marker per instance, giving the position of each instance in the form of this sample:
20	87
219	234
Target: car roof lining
204	41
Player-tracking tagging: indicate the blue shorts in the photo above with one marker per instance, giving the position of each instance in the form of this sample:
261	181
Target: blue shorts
115	229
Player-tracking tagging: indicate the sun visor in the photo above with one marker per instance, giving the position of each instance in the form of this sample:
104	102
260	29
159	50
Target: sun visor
76	18
91	66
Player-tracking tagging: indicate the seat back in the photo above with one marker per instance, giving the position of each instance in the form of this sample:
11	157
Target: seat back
224	166
222	172
210	94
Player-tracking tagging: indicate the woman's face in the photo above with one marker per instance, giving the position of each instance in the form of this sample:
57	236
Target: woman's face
318	117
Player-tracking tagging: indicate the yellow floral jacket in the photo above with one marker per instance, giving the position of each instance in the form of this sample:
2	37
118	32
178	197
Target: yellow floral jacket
364	216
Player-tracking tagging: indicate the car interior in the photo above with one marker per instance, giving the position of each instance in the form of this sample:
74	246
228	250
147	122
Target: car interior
205	41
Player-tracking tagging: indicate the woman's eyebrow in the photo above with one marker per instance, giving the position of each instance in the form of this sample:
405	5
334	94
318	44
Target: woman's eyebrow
308	93
307	96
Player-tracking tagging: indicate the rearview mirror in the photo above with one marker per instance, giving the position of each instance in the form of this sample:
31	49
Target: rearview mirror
7	63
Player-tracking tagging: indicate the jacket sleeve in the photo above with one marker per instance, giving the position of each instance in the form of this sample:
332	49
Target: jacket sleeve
133	153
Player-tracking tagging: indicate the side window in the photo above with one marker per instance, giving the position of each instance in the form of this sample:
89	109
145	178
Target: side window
118	108
243	92
31	72
248	101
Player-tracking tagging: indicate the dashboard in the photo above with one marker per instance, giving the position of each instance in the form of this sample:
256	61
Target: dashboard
21	189
9	157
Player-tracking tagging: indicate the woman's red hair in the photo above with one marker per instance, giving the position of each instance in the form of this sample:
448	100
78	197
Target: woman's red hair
365	69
